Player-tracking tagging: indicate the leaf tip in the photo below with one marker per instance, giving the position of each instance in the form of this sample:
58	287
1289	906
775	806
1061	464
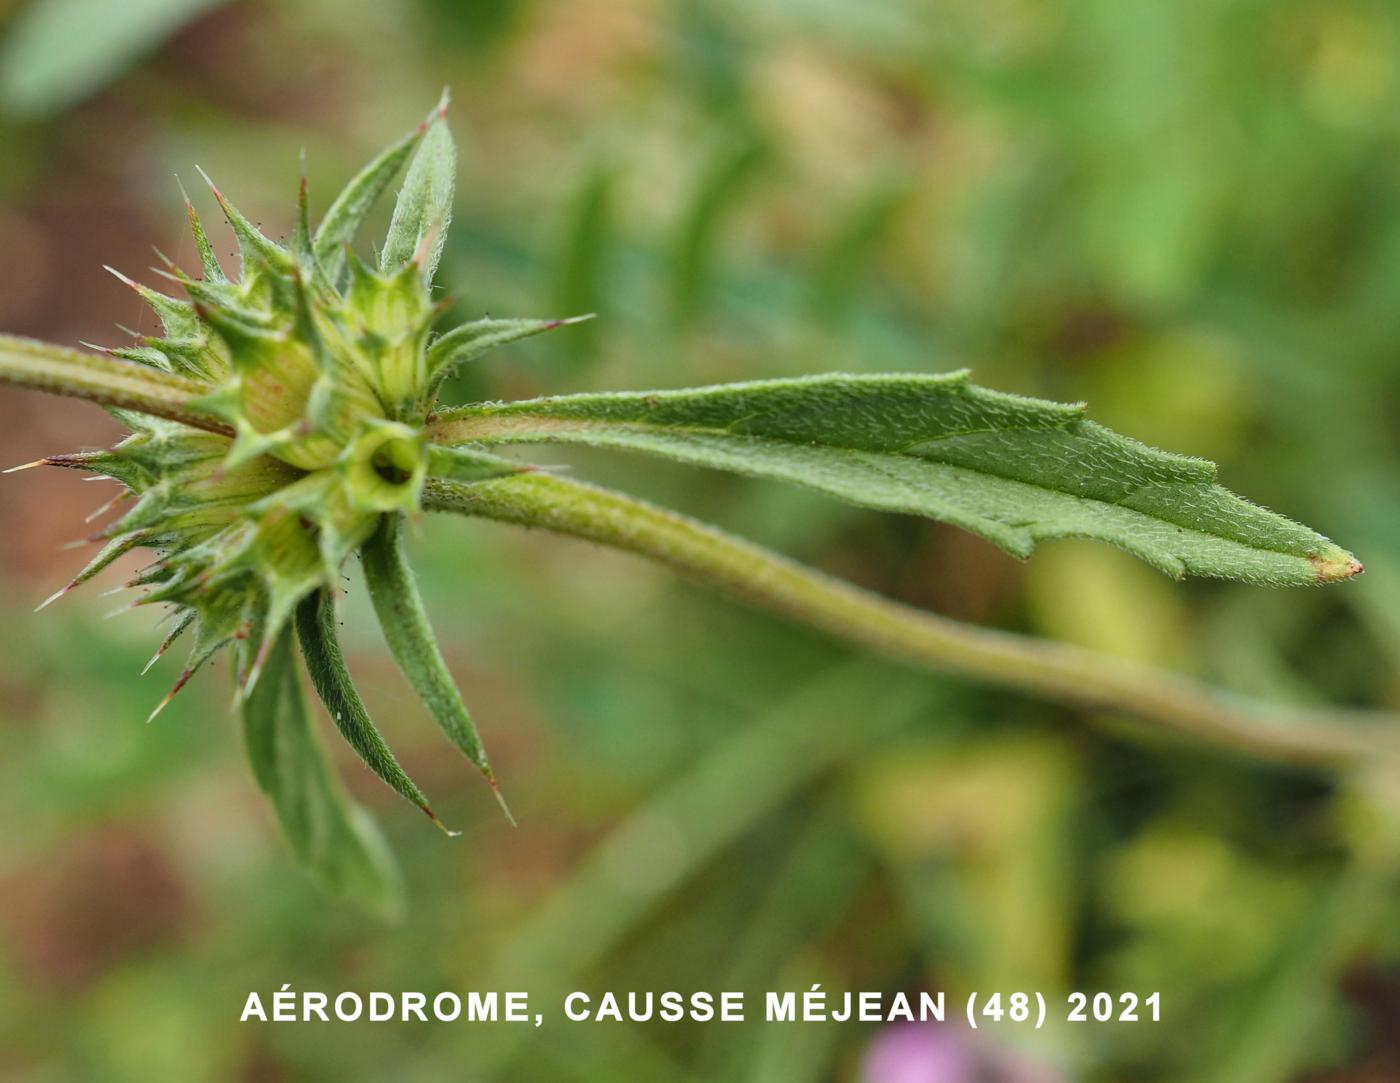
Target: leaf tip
1334	565
439	112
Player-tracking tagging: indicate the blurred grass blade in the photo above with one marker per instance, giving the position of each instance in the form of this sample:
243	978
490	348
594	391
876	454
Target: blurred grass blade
315	621
832	288
589	239
1013	470
424	206
334	838
347	213
718	190
405	622
59	52
107	380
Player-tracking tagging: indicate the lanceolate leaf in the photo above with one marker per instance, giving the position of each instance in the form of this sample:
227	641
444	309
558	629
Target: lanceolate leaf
315	622
424	207
405	623
347	213
1012	469
471	340
331	835
465	464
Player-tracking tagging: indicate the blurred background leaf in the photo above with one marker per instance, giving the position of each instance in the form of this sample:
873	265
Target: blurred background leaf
58	52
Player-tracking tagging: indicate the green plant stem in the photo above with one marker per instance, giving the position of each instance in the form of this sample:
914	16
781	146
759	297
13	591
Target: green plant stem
1054	671
110	381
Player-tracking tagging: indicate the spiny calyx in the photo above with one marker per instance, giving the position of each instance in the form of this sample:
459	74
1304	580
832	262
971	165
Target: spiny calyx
317	374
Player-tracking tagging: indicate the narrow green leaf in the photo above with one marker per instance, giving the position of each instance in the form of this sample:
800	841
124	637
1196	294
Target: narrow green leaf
1014	470
838	270
334	838
471	340
315	621
404	619
26	362
586	251
255	248
209	262
716	195
465	464
424	208
348	211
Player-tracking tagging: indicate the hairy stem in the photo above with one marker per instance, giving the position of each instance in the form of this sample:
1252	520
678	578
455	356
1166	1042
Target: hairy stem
1054	671
110	381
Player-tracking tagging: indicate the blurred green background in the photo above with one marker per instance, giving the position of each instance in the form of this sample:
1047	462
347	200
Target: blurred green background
1187	214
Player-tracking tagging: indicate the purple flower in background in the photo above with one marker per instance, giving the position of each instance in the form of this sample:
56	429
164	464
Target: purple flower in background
934	1053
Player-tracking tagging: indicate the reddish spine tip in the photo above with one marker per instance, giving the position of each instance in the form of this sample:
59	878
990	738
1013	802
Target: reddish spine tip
179	684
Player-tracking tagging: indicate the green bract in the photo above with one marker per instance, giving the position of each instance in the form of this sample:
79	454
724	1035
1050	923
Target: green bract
285	420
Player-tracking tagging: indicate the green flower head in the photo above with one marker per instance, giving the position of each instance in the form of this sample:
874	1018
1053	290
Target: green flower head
313	374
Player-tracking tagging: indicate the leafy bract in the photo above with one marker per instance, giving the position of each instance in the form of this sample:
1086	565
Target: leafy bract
315	621
471	340
332	836
404	619
1014	470
350	208
424	207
